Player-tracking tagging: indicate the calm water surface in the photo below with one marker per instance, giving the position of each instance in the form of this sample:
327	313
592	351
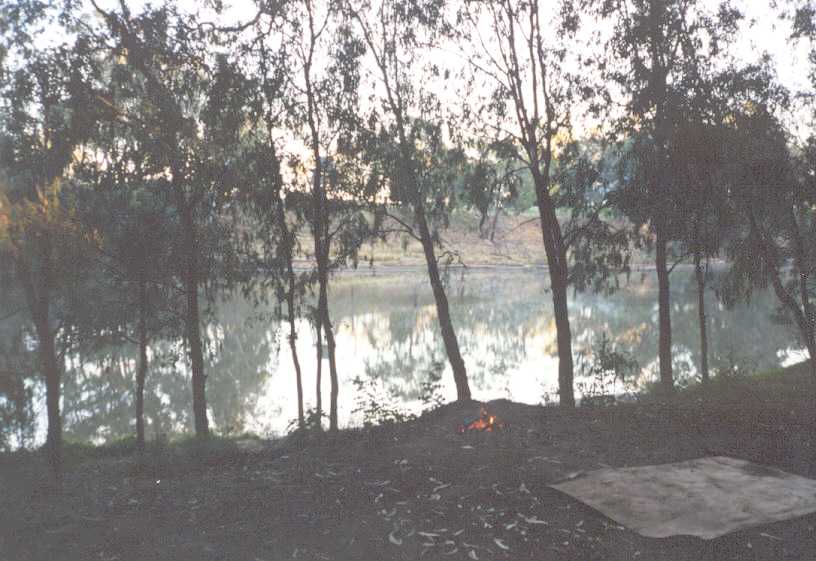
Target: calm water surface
387	335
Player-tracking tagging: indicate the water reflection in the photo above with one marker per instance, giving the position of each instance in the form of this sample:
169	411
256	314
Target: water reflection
387	333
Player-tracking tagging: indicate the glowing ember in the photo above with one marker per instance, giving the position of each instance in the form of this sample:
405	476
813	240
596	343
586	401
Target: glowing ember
485	422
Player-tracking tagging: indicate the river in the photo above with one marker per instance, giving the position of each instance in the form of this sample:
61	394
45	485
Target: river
387	337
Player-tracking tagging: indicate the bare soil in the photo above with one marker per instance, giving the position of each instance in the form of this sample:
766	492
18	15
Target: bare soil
413	491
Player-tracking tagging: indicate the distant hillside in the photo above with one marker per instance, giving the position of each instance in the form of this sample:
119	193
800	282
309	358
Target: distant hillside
517	242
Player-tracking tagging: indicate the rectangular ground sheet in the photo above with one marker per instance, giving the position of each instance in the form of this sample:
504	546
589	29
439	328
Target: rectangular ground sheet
707	497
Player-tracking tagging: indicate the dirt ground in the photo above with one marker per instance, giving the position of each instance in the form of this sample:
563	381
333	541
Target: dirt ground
415	491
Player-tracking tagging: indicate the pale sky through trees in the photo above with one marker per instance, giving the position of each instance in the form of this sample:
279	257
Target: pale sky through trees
762	31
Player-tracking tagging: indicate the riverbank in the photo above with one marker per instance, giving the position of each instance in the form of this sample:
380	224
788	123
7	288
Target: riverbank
417	490
516	243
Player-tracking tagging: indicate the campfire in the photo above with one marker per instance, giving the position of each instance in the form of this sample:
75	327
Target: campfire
485	422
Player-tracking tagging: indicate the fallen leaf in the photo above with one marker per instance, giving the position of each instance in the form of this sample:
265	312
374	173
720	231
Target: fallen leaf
532	520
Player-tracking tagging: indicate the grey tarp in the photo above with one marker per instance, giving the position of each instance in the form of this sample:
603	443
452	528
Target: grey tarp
707	497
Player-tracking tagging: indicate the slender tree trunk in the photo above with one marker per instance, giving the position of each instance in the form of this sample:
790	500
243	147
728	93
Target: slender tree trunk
811	347
482	220
557	264
296	362
701	286
662	129
808	331
664	314
442	308
495	221
193	322
800	313
287	243
322	276
564	339
38	302
52	372
322	252
141	371
328	331
320	228
808	328
319	373
417	198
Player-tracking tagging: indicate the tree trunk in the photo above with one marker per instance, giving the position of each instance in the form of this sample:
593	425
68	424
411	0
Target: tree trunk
808	329
442	308
38	302
557	264
811	347
317	232
323	304
141	371
564	339
298	374
322	242
290	304
52	373
319	373
482	220
701	286
664	315
800	313
193	323
495	221
417	200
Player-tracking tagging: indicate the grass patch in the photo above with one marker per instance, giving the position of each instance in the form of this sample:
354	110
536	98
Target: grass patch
791	384
159	455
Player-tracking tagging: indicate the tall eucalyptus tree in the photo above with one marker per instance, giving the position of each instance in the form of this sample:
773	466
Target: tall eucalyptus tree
44	118
772	189
184	101
406	132
660	50
133	226
524	96
321	101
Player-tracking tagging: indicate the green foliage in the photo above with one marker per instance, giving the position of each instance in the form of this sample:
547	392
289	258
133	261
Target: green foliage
312	421
493	181
377	405
598	241
430	390
602	368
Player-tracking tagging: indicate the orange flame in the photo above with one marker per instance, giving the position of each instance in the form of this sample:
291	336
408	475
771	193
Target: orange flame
485	422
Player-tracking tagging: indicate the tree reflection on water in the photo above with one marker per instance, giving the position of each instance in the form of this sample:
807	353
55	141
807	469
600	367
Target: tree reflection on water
387	334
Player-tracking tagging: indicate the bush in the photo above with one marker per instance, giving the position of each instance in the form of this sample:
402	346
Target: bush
602	368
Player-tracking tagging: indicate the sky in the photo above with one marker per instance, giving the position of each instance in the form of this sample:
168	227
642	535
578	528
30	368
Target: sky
761	32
